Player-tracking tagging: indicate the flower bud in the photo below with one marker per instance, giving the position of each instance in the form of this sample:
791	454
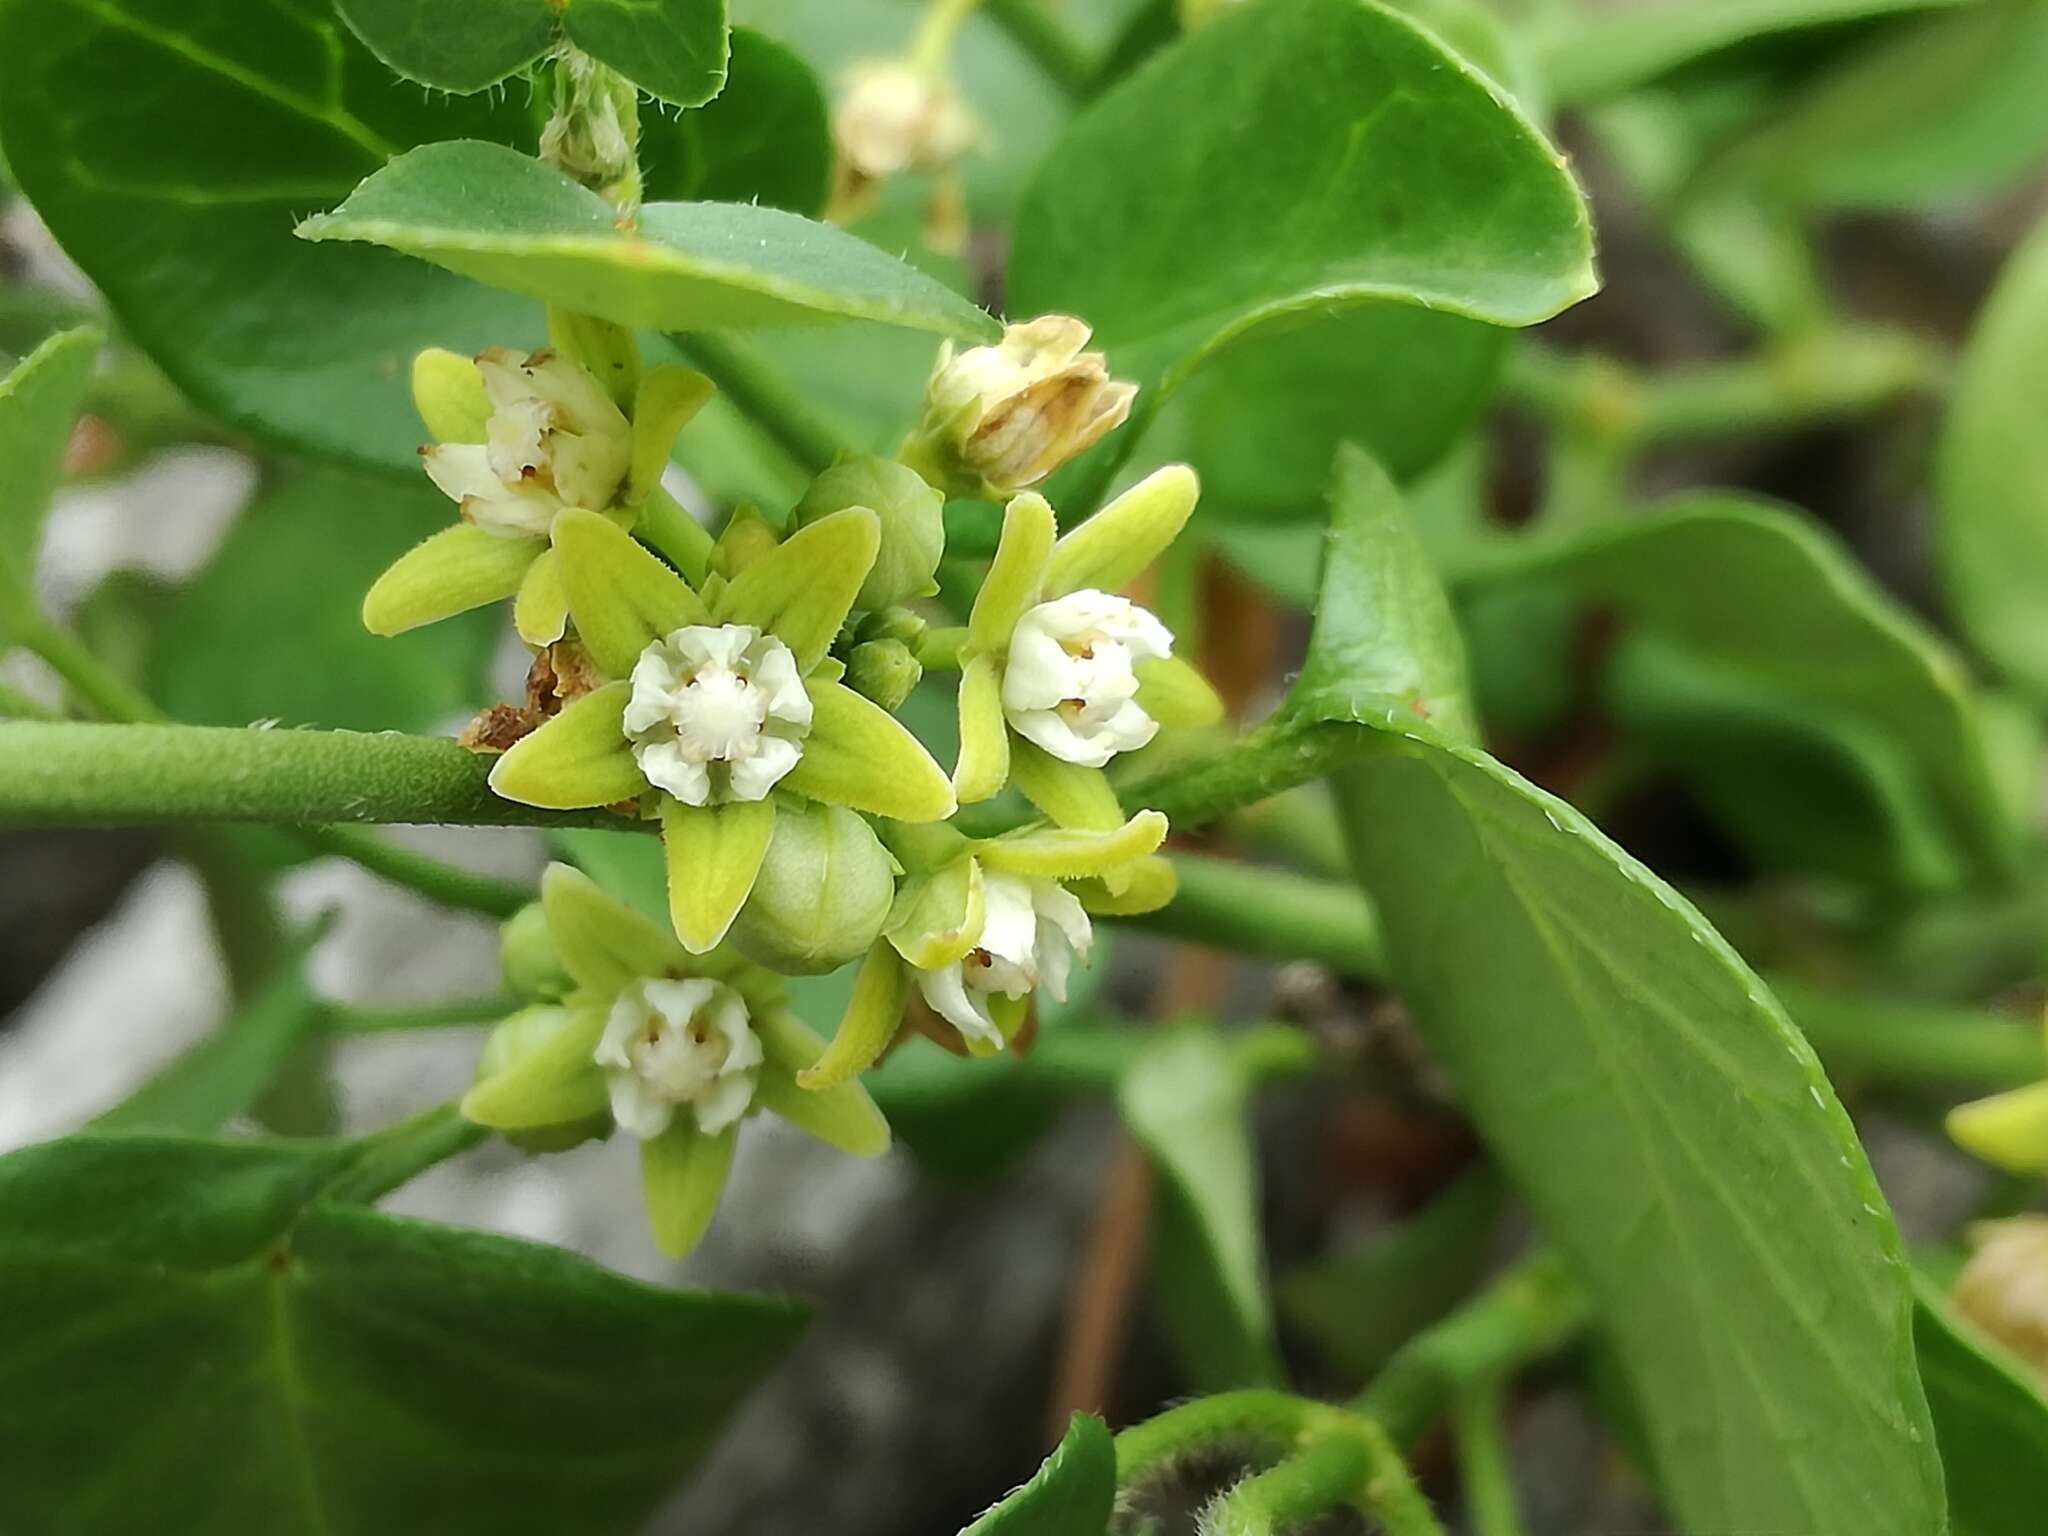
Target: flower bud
516	1038
893	624
747	536
528	959
896	117
594	131
824	890
913	524
2004	1287
1000	418
883	670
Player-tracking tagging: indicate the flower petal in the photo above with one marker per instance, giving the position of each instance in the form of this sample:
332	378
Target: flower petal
541	612
620	594
578	759
1117	543
837	1112
456	570
555	1083
1017	574
858	754
603	943
668	397
1061	853
1071	795
984	764
946	993
682	1174
713	854
801	590
1172	692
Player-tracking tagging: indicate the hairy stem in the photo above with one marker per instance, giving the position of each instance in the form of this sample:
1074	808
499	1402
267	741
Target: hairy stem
1327	1475
1273	912
1257	1426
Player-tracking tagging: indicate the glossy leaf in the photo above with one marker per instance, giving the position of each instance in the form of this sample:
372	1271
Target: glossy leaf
39	401
373	1374
1184	1100
1383	168
1072	1494
505	219
271	628
1991	506
1991	1417
672	49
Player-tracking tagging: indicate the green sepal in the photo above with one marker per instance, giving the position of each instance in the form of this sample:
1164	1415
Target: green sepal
458	569
448	392
937	918
541	611
609	353
555	1083
841	1115
881	988
603	943
667	398
510	1043
577	760
682	1175
801	591
1065	853
1016	578
983	767
858	754
713	853
1071	795
675	535
1143	886
1174	693
2008	1130
621	596
1113	547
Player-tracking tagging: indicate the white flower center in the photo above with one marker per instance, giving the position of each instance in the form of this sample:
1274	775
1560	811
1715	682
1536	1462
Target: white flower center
1070	685
717	713
675	1044
1032	933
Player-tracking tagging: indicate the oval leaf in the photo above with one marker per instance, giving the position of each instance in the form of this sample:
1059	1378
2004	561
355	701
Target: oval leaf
453	45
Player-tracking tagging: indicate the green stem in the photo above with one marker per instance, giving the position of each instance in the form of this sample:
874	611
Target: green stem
1390	1494
1483	1464
383	1021
1273	912
1040	37
68	774
938	649
1327	1475
1301	826
448	884
1526	1314
1920	1043
932	44
1257	1426
16	705
810	437
110	695
398	1154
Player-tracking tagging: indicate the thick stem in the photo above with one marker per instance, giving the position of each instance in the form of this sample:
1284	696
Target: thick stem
1270	912
811	438
138	775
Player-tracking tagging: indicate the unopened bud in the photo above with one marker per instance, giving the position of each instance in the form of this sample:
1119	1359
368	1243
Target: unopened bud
913	524
516	1038
1000	418
883	670
2004	1287
896	117
528	959
594	132
747	536
822	895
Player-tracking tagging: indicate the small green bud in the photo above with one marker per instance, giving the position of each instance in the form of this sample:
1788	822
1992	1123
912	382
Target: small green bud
823	893
884	670
893	624
746	538
528	958
913	524
513	1041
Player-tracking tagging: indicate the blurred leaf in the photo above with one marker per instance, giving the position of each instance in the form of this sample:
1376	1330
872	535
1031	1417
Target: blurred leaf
226	1073
506	219
1991	483
763	139
1383	171
1185	1100
39	401
1073	1494
1361	1304
374	1376
272	628
1991	1418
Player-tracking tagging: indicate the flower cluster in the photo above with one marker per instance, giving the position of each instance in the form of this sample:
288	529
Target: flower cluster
739	694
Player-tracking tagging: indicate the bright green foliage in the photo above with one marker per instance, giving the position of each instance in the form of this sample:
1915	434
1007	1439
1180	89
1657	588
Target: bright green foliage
1991	1418
168	1298
38	402
1071	1495
505	219
763	138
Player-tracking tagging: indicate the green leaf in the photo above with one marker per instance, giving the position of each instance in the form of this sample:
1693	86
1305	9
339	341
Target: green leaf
453	45
766	138
1991	503
227	1072
507	220
1991	1418
39	401
1383	613
1770	600
371	1374
673	49
1383	169
272	629
1072	1494
1184	1100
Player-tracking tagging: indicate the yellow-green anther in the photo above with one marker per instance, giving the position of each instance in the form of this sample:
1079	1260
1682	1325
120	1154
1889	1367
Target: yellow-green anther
912	516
